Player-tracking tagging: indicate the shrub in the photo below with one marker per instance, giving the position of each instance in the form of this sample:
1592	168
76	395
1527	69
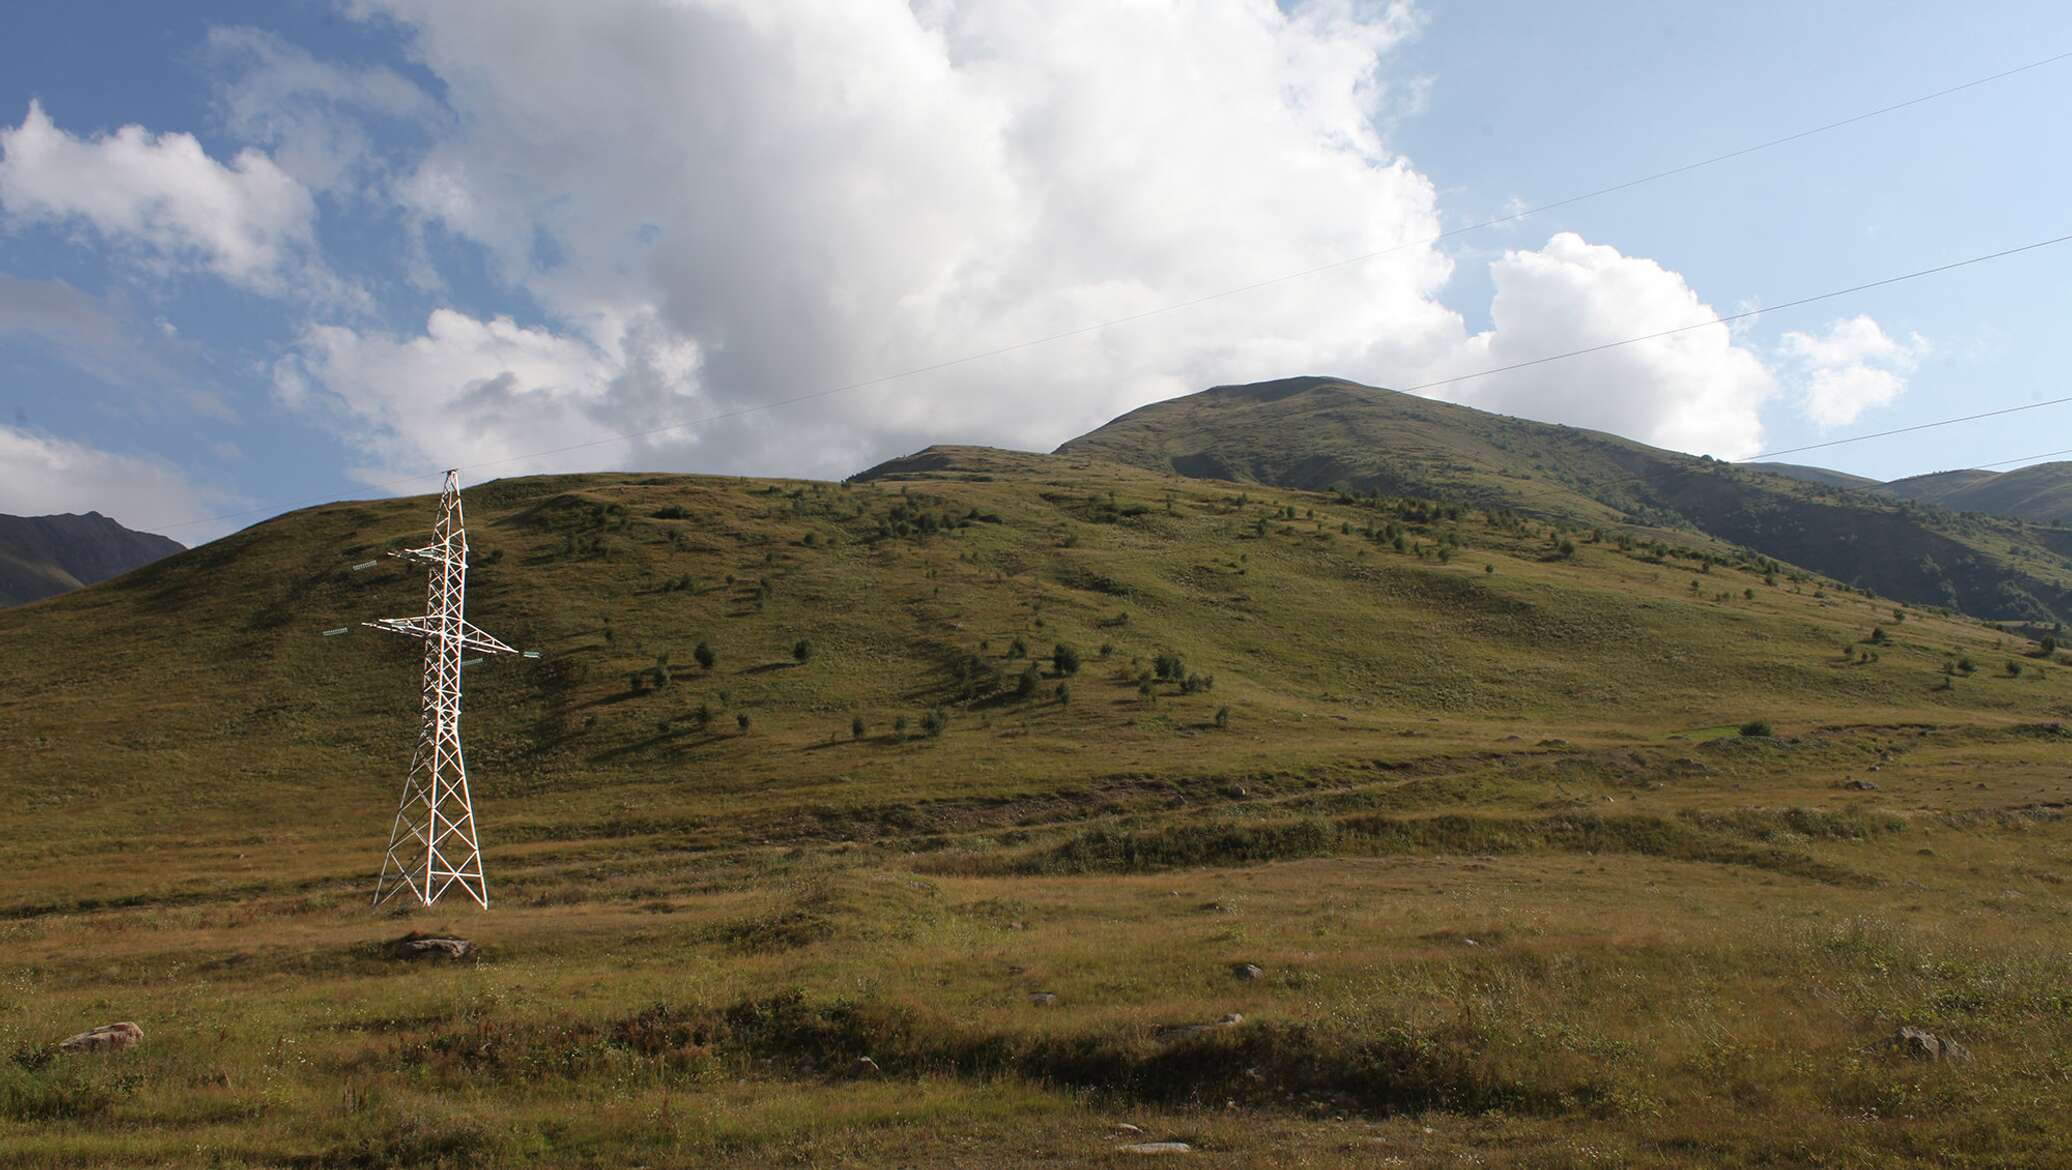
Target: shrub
1223	717
856	727
1107	648
1066	658
1063	693
1026	684
636	681
2014	669
2050	646
672	512
899	726
934	721
1757	727
801	650
741	721
705	656
1878	636
1966	665
1019	648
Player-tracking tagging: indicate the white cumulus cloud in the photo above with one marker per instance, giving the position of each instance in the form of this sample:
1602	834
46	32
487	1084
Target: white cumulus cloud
163	197
42	474
482	391
817	194
1695	390
1855	366
719	204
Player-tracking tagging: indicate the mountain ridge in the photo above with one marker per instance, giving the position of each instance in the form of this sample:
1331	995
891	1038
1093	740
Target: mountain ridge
1315	432
43	556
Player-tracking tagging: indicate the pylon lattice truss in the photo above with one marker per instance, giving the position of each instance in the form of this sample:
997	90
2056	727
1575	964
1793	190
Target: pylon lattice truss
433	845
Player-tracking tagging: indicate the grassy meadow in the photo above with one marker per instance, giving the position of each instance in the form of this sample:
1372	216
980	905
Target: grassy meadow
1469	790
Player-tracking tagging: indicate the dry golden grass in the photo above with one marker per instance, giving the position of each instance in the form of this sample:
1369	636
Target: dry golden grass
1520	896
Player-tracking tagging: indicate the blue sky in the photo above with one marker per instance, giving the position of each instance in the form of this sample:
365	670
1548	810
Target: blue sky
258	255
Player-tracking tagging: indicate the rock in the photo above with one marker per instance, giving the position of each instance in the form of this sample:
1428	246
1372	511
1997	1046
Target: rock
1155	1148
1044	999
1875	767
1860	785
1235	791
1247	972
1553	743
1127	1128
866	1067
1925	1045
412	946
106	1038
1470	942
1174	1032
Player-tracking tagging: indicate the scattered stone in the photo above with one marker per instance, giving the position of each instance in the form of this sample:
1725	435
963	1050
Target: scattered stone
1247	972
1173	1032
1044	999
1234	791
1875	767
1553	743
106	1038
1155	1148
414	946
866	1067
1925	1045
1860	785
1126	1127
1470	942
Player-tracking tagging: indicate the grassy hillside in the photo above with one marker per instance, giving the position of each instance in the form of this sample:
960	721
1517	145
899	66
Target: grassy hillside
1321	432
42	556
2041	494
1819	475
1466	787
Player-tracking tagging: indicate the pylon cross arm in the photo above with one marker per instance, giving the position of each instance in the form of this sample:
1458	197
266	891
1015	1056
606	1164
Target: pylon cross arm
471	635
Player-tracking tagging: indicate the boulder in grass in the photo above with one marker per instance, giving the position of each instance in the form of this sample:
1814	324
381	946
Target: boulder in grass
1174	1032
1155	1148
1922	1044
1246	972
424	946
106	1038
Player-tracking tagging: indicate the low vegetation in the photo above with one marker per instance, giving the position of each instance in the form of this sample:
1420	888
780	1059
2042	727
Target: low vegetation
1378	830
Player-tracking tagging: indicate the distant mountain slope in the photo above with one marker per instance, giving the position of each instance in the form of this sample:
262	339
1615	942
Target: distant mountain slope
1318	432
42	556
1819	475
2041	494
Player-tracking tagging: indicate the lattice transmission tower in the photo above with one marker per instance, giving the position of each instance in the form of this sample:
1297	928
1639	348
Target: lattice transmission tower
433	846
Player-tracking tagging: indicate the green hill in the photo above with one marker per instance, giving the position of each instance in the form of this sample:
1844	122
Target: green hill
1819	475
2040	494
1320	432
1463	784
42	556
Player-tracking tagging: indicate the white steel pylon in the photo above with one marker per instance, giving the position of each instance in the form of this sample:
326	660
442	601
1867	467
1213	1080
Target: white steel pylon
432	846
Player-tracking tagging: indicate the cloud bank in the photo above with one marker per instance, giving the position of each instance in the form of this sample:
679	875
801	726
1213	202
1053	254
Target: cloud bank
695	209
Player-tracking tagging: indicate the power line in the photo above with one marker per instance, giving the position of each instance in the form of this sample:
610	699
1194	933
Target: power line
1731	317
1306	272
1571	200
1917	427
1599	348
2023	459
